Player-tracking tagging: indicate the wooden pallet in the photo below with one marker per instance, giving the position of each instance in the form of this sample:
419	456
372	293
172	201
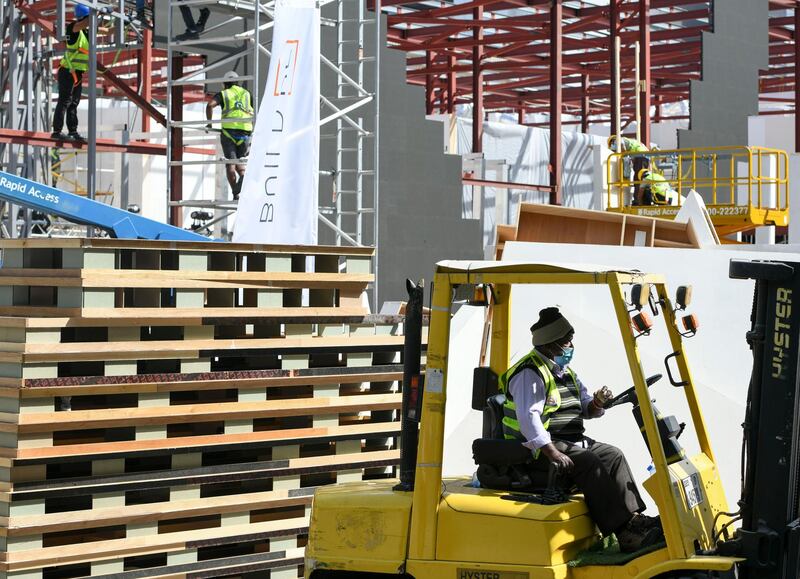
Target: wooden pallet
167	409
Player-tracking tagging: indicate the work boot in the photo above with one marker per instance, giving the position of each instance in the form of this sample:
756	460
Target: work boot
632	540
58	136
141	18
190	34
237	188
201	22
642	522
76	136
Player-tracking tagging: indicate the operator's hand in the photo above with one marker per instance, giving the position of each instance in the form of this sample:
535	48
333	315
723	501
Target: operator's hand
557	457
602	396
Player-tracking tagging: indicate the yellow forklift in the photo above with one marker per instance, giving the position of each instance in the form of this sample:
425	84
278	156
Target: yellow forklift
424	526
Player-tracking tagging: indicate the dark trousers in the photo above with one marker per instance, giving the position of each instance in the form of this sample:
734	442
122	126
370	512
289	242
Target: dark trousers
188	19
69	96
602	474
639	163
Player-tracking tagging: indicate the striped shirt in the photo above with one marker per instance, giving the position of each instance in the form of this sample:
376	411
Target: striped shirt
528	391
567	422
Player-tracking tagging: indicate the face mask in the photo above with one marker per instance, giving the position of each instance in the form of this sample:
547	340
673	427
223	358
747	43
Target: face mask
565	357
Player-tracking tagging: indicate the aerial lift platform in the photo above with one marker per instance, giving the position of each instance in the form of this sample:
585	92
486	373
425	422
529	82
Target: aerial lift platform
83	211
743	187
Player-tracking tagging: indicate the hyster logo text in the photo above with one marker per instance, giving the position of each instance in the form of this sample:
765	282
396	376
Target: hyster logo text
488	574
781	340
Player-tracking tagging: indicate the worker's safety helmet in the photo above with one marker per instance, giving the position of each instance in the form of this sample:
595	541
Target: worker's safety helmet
81	11
642	174
231	76
612	141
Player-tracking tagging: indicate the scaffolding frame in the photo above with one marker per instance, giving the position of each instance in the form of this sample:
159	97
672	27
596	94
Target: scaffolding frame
30	33
26	75
353	205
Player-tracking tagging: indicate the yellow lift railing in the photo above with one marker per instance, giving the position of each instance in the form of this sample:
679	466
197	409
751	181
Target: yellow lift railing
743	187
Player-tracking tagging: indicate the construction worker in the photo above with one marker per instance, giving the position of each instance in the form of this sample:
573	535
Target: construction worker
655	190
236	104
70	76
545	407
639	162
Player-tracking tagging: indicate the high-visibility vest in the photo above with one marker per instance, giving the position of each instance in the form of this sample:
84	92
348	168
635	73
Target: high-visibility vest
236	105
552	397
77	55
633	146
658	187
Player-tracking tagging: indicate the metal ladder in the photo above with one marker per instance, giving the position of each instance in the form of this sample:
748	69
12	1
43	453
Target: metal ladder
353	201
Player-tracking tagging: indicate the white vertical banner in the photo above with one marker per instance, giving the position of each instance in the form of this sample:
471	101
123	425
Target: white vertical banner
278	202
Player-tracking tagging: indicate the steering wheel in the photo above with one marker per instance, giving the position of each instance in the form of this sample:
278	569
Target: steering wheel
630	394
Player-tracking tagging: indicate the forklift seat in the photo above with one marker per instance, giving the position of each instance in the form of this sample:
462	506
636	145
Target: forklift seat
502	464
493	417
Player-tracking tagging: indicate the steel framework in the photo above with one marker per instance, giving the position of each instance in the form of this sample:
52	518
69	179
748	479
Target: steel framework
558	58
124	65
345	116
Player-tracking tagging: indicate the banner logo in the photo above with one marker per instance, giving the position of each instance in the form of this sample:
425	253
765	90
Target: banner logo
287	65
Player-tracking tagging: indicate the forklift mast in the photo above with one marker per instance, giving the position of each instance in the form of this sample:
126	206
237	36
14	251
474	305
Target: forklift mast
769	538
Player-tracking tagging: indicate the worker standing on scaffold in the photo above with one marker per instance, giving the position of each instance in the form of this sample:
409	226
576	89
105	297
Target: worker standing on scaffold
640	162
70	76
237	126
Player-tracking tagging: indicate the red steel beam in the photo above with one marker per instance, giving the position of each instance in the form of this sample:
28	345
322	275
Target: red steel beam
556	50
176	145
796	72
452	85
614	95
429	96
145	73
645	70
585	104
477	84
34	139
505	185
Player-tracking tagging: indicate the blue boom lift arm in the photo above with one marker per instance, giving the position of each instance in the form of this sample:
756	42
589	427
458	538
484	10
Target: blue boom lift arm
117	222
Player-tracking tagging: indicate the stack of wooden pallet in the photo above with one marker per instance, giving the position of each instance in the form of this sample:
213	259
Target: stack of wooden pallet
168	408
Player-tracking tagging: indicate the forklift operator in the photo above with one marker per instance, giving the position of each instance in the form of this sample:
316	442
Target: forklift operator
554	404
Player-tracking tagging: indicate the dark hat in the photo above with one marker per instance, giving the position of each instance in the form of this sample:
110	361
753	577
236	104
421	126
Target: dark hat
551	326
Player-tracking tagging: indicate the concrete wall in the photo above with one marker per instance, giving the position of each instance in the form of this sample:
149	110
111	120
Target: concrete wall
732	55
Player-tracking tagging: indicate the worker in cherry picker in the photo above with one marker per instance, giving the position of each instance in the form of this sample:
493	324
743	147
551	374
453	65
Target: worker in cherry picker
70	76
639	162
237	126
655	189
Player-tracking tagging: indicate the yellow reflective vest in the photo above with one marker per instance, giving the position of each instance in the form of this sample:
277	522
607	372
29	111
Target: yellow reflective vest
77	55
658	187
552	401
236	105
633	146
